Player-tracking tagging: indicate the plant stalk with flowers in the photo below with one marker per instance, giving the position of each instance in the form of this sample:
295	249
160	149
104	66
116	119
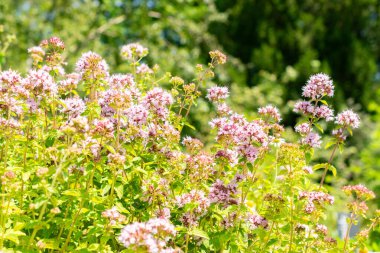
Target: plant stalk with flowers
93	161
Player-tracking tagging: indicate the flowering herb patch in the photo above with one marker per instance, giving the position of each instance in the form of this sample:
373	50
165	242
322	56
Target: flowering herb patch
95	162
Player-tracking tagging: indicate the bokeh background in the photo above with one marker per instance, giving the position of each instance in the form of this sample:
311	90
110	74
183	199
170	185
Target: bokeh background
273	47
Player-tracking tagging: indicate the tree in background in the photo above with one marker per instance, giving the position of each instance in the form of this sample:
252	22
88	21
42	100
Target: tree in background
304	36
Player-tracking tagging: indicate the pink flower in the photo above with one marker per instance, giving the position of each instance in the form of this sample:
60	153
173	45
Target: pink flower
348	118
359	190
312	139
321	229
270	111
216	94
223	194
157	100
92	65
151	236
304	107
8	79
133	51
303	128
144	69
317	86
113	215
103	127
73	106
256	221
40	81
324	112
192	144
119	81
195	197
137	115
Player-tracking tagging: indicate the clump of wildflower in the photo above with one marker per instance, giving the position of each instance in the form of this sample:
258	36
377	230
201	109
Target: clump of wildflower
229	155
313	140
189	219
215	94
92	66
69	83
315	198
339	134
218	57
195	197
321	229
359	191
116	159
176	81
317	86
348	118
53	43
256	221
9	79
324	112
73	106
37	54
119	81
304	107
144	69
42	171
151	236
103	127
40	82
223	194
303	128
200	165
157	100
223	109
163	213
192	144
113	215
271	112
137	115
133	51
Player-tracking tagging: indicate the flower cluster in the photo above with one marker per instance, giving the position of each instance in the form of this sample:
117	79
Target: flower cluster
216	94
360	191
114	216
133	51
315	198
151	236
318	86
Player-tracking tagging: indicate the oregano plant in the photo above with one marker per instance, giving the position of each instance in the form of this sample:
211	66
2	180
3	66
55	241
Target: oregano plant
95	161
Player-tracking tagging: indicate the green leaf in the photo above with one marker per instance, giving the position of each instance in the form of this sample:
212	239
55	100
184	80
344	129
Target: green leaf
333	170
49	142
110	149
199	233
190	126
319	127
13	235
74	193
119	191
93	247
320	166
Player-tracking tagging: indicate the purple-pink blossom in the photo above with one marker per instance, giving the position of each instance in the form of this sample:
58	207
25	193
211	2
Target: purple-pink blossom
348	118
317	86
216	93
312	139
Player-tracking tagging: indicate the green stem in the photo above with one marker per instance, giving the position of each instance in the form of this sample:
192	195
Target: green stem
327	166
347	233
